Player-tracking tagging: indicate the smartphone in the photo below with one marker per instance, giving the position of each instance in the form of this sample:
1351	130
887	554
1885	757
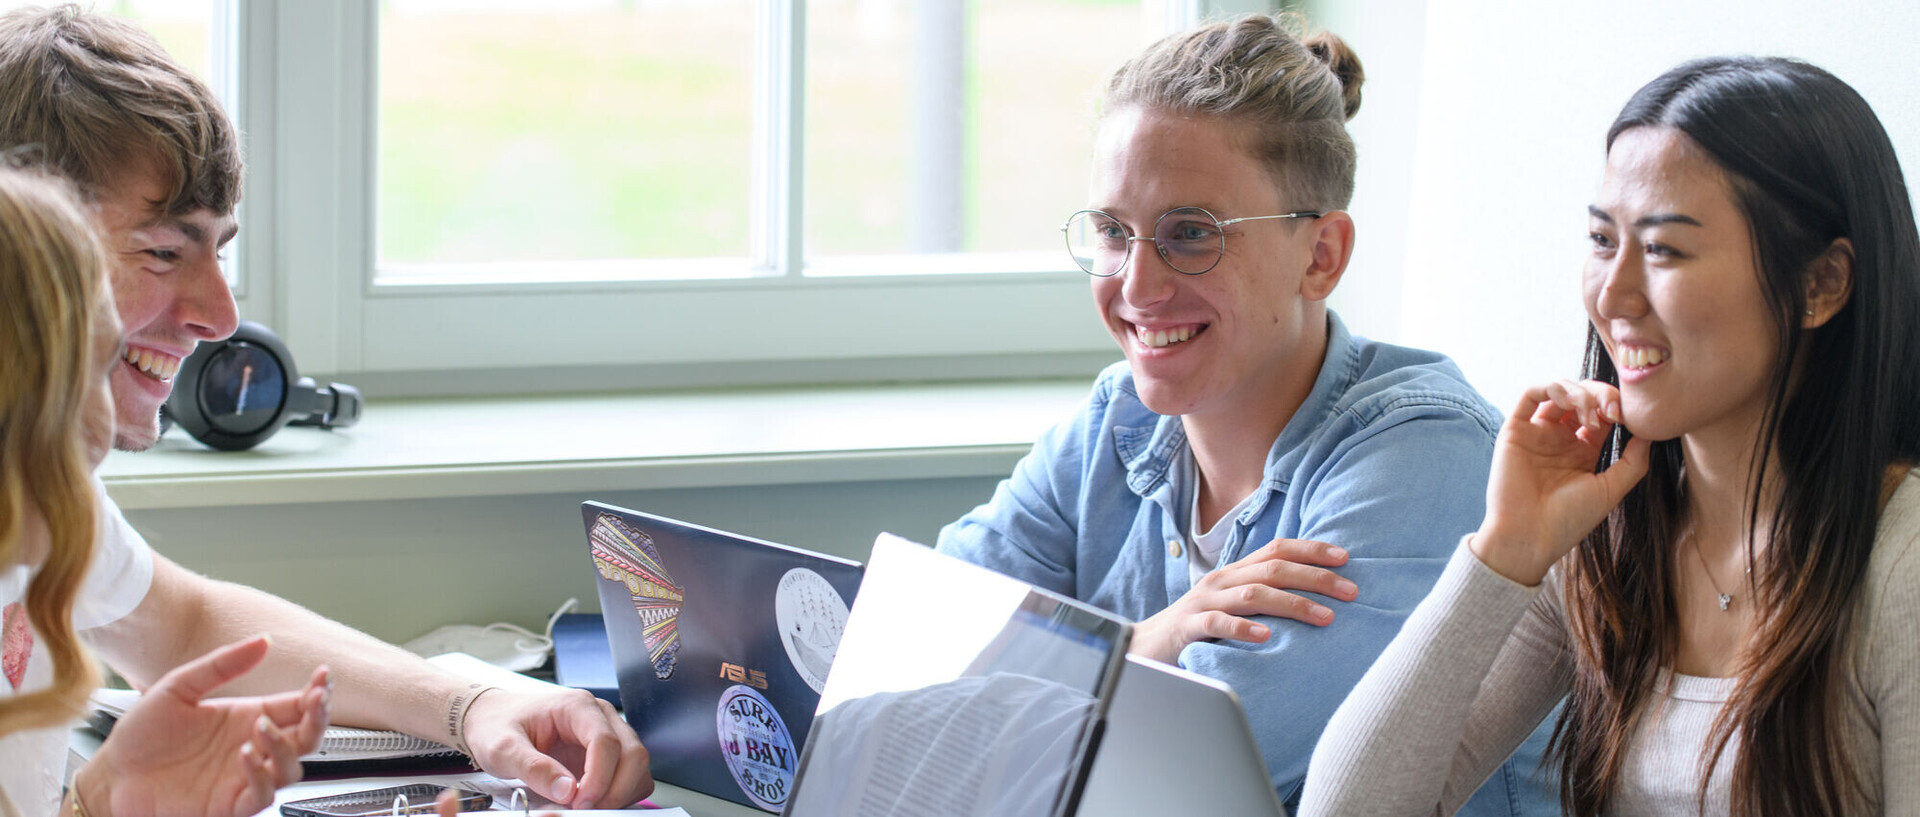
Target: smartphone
420	797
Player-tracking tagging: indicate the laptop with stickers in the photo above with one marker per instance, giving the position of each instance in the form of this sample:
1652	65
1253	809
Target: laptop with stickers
721	644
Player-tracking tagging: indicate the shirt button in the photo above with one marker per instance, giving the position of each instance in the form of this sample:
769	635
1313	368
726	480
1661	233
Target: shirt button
1173	548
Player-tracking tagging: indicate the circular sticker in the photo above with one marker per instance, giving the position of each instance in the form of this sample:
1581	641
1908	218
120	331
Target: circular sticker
758	749
811	616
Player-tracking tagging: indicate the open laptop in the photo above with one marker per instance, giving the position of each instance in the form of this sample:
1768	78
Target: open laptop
721	644
958	691
1177	742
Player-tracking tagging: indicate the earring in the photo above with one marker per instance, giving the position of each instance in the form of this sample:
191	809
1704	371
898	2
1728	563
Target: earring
1809	313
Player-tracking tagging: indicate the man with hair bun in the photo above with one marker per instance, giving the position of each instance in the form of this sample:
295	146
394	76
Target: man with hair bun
149	147
1265	493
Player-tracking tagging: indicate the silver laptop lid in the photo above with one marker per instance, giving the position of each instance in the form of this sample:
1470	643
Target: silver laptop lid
1177	742
957	691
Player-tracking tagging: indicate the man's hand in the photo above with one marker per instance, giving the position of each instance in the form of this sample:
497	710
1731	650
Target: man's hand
1256	585
175	753
569	746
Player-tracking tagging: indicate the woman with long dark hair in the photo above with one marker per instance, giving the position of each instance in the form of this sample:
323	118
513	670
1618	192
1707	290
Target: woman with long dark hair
1721	515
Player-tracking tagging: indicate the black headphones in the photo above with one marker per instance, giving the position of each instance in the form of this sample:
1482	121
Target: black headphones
235	393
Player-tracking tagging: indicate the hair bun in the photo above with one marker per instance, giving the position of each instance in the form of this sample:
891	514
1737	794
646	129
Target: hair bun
1345	64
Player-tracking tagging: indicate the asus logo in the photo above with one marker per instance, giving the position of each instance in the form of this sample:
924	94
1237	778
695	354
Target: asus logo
741	675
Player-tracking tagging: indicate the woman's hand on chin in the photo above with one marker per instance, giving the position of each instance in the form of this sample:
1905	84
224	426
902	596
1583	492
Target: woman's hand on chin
1543	496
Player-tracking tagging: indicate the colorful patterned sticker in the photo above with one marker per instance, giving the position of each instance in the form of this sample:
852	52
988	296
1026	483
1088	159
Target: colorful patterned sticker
812	616
757	747
623	554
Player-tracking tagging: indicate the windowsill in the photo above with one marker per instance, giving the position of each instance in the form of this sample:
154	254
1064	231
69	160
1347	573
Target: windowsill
459	447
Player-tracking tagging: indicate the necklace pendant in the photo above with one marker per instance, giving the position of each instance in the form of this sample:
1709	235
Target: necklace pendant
1725	600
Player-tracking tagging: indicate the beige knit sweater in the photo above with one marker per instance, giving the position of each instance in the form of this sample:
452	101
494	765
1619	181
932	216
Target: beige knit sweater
1482	660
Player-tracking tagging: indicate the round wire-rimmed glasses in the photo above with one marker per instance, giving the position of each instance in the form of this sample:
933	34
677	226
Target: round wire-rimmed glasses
1190	239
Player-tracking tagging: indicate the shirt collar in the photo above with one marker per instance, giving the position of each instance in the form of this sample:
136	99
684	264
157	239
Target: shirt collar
1149	452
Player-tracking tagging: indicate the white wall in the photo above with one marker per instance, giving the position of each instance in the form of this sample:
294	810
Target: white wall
1481	139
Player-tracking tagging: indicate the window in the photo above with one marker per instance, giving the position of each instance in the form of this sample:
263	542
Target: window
950	135
526	133
542	187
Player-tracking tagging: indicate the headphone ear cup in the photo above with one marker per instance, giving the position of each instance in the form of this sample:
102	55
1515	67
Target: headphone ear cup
233	394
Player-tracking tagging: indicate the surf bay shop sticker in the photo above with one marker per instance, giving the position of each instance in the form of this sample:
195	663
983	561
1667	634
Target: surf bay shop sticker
811	616
757	746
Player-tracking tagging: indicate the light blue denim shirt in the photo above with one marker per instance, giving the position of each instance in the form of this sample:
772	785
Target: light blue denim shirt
1388	458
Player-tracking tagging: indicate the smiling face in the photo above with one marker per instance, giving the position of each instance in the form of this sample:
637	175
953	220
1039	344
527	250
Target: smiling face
170	293
1673	288
1239	338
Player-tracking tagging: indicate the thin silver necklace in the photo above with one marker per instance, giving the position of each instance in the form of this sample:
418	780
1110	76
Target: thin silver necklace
1725	598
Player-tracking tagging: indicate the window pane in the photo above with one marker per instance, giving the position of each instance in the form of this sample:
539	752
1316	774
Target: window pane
545	130
953	126
183	27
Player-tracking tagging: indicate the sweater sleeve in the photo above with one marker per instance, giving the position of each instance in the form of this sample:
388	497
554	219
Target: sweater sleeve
1478	665
1892	662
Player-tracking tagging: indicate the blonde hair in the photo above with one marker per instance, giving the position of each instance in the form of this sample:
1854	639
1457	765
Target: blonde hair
1293	94
54	305
100	98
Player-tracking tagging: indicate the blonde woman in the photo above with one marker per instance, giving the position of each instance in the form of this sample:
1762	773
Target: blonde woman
174	752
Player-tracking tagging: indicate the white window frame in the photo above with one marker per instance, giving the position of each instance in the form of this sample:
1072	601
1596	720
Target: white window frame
307	96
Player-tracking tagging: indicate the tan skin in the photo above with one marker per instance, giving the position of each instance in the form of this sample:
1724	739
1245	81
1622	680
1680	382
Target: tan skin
1672	287
168	289
1258	324
178	751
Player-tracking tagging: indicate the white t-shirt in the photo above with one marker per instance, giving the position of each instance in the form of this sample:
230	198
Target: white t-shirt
118	579
1204	546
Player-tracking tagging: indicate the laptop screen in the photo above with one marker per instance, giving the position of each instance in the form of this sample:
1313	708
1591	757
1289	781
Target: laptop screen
957	691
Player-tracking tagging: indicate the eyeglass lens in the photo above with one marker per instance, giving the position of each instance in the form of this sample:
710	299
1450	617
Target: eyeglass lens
1189	239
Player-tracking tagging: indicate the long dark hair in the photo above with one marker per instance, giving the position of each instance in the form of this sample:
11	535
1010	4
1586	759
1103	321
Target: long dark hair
1809	163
